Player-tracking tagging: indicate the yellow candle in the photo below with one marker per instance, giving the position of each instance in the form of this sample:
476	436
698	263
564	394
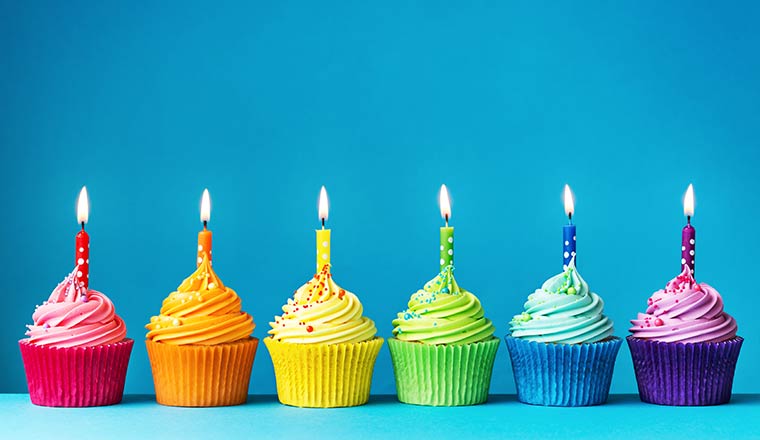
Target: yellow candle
323	235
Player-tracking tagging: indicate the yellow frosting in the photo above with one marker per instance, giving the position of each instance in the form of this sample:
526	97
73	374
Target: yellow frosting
321	312
201	312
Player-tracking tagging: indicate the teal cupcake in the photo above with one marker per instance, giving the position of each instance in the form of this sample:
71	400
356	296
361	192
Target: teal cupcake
562	345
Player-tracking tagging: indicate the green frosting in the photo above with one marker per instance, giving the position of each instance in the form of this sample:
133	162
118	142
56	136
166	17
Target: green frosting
563	310
443	313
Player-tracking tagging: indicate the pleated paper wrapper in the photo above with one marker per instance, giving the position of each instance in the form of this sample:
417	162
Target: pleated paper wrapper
443	375
202	375
685	374
76	376
563	374
323	375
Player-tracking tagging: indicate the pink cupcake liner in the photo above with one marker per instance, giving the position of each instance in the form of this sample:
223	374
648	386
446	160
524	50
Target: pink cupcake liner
76	376
685	374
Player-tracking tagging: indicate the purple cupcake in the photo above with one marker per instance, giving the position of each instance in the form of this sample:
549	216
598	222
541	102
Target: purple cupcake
685	347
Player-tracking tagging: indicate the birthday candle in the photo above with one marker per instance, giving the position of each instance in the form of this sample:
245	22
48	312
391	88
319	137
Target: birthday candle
323	235
82	241
568	231
447	232
688	234
204	236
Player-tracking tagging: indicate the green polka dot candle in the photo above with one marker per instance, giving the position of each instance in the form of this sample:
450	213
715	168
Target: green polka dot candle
447	232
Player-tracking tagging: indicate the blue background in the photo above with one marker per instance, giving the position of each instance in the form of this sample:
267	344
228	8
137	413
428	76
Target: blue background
263	102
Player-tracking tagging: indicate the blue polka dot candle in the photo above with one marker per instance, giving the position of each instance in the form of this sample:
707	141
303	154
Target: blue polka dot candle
323	235
688	234
568	231
447	232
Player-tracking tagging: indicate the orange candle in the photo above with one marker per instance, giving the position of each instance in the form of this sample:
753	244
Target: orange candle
204	236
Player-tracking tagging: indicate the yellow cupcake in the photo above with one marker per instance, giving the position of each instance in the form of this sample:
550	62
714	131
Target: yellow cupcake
323	349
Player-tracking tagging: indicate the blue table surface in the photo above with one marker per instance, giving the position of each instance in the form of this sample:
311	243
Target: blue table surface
138	416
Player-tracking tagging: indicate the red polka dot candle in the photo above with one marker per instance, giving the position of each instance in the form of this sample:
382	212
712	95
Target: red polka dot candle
204	236
323	235
688	234
82	241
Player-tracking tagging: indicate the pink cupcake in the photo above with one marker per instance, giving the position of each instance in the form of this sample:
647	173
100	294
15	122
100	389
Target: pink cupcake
77	351
685	347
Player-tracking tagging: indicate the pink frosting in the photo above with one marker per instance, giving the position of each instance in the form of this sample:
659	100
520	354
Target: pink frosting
685	311
75	317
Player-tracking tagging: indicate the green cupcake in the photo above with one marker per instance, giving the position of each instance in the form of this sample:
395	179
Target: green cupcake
444	349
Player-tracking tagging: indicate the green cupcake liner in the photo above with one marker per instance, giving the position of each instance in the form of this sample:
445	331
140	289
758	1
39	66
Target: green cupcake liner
443	375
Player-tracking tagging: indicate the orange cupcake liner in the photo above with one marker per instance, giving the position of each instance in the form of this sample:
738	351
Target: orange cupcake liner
202	375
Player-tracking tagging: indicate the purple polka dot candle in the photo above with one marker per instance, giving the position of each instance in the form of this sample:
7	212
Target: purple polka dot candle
688	234
568	231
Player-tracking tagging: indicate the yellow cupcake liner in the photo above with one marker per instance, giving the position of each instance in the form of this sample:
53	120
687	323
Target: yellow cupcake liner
202	375
323	375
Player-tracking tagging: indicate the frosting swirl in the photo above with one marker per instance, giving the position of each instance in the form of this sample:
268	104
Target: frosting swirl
202	311
563	311
322	312
443	313
75	317
685	311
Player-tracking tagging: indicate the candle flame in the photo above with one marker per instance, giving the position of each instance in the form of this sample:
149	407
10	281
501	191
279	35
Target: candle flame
569	201
445	203
205	206
323	205
688	201
83	206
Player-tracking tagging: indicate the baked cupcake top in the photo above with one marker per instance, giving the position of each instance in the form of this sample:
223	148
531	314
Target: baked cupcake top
75	317
564	311
321	312
443	313
685	311
202	311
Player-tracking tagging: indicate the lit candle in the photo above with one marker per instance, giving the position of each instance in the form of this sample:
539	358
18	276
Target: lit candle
82	242
447	232
568	231
323	235
688	234
204	236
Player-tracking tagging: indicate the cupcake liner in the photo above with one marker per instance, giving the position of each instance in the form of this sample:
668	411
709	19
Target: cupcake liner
563	374
443	375
202	375
685	374
323	375
76	376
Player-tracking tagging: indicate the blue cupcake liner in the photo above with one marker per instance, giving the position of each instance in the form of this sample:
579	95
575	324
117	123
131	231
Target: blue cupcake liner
563	374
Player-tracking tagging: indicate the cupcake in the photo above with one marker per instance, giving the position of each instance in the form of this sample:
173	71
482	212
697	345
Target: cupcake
444	349
200	345
322	348
562	349
77	351
685	347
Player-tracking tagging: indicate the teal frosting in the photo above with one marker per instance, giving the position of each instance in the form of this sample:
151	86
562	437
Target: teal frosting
563	311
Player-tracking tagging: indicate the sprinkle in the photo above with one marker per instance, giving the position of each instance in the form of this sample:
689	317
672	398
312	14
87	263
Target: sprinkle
309	329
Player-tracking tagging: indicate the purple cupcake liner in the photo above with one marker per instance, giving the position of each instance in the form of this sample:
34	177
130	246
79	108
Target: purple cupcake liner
563	374
685	374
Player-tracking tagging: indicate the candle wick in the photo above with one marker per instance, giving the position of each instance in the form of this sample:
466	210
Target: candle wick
447	220
205	224
83	226
570	217
688	219
323	222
